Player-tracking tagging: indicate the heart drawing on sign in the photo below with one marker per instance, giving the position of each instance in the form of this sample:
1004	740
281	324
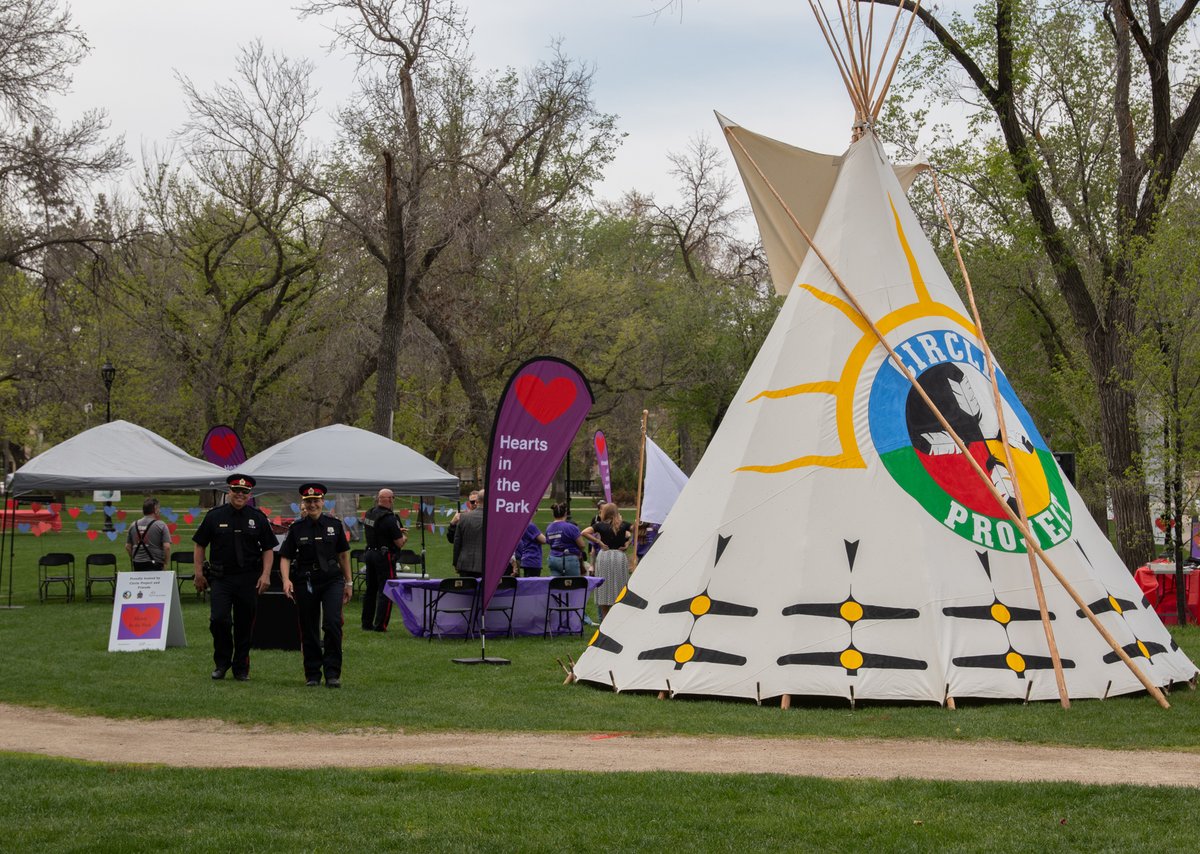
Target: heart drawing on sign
601	444
223	444
141	619
545	401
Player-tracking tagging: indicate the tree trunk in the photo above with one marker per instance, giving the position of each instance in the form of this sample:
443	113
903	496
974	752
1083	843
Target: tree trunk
393	314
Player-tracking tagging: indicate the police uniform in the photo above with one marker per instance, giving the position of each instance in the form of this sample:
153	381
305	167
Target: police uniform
312	547
236	540
382	528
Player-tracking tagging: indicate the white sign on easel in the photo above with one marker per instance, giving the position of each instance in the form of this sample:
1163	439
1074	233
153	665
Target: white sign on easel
146	613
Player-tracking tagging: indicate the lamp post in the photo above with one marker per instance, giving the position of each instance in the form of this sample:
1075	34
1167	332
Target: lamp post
108	373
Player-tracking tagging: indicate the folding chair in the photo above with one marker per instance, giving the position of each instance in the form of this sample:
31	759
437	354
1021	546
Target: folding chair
407	557
561	598
56	568
107	573
504	601
357	569
447	598
183	564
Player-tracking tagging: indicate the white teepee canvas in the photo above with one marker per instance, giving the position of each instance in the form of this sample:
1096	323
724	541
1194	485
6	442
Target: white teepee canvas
832	542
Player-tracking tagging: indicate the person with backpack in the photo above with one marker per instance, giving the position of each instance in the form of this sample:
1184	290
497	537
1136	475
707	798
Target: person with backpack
148	542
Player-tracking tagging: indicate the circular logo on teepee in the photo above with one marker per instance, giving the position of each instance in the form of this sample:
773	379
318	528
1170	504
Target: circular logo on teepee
923	459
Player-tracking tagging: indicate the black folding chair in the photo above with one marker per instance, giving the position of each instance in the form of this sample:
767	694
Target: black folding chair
458	596
504	601
566	595
358	570
183	564
409	558
106	566
56	568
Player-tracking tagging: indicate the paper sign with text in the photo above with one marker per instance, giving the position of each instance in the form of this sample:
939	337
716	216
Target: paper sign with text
540	412
146	613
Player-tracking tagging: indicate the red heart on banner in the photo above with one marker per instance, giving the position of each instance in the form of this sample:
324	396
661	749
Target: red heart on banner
223	444
91	535
175	539
171	526
121	514
35	506
140	619
545	401
188	518
73	512
601	444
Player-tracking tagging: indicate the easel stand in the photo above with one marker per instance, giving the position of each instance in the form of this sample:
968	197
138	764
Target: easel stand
483	657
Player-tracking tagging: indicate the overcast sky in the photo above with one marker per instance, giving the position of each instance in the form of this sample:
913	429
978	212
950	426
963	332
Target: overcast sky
760	62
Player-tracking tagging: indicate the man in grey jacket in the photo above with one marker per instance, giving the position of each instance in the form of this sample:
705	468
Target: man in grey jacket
148	542
468	542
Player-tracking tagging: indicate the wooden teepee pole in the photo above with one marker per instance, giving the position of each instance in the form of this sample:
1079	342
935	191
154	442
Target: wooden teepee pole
1055	658
1031	541
637	510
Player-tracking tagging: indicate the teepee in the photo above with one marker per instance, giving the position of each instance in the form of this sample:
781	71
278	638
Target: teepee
857	527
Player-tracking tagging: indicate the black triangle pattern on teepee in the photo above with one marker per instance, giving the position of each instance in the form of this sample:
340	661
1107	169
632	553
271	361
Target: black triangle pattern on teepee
722	542
987	564
851	552
1082	552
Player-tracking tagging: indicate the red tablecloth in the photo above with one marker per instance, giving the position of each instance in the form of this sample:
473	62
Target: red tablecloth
1157	581
30	517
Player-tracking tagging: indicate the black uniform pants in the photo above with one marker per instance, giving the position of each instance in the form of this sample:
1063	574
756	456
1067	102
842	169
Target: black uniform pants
233	600
320	608
376	607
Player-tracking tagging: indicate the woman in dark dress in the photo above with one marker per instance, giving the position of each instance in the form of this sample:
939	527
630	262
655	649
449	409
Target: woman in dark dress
613	535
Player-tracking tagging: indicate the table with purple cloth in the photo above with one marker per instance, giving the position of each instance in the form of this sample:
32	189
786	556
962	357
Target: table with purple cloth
529	610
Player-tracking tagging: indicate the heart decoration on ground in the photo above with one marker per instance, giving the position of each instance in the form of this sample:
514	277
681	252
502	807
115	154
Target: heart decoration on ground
175	539
545	401
73	512
91	535
121	514
188	518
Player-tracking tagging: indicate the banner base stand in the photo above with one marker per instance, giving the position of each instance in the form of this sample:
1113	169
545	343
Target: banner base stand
481	660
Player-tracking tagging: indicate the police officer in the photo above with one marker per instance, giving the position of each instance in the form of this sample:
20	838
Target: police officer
238	569
315	563
385	537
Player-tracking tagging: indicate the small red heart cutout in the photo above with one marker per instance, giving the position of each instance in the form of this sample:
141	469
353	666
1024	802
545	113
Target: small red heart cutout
91	535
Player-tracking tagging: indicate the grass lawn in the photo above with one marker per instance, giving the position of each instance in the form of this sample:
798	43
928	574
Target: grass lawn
56	656
56	805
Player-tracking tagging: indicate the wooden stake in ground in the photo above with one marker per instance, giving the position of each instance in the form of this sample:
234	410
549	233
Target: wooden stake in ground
637	509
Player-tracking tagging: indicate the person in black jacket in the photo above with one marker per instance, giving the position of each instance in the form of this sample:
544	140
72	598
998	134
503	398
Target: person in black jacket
314	561
239	541
385	538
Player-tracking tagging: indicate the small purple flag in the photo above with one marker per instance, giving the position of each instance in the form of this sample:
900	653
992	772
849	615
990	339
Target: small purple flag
602	460
540	412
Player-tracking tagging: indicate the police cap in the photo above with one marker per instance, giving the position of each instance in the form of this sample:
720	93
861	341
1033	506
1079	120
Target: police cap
240	481
312	490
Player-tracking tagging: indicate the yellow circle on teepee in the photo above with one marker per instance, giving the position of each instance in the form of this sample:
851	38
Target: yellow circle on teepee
621	595
1015	662
684	653
700	605
1116	606
851	611
593	640
851	659
1000	614
1142	648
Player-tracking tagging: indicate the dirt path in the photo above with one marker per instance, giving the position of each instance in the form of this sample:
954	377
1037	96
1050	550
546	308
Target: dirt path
188	744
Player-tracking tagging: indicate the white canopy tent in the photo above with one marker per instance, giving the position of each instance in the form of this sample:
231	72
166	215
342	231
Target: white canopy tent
347	459
118	455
